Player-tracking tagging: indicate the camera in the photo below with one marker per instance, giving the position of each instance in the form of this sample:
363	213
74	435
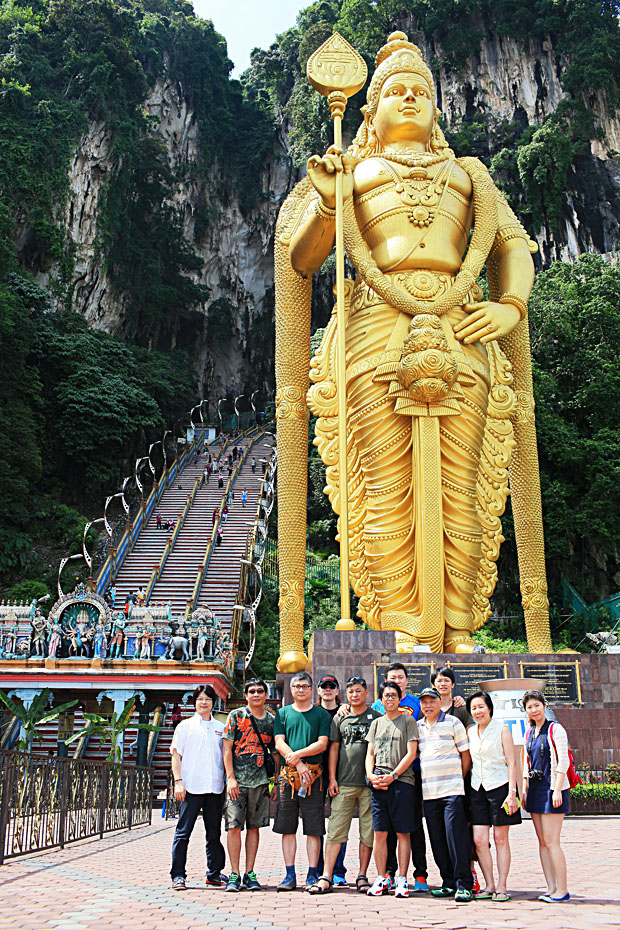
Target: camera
535	775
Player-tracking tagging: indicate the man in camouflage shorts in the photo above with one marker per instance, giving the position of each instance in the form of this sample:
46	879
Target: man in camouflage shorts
247	788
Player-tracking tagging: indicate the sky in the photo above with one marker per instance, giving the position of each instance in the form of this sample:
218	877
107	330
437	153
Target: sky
248	24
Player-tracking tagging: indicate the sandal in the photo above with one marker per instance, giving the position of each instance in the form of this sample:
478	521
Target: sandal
500	896
362	884
317	889
483	895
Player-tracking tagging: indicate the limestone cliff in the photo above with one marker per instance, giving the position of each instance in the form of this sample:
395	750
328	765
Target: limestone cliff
502	84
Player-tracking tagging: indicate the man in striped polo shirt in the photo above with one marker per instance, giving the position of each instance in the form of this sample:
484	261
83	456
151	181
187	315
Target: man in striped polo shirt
445	760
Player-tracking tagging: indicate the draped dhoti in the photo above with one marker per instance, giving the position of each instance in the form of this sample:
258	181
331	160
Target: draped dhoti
422	532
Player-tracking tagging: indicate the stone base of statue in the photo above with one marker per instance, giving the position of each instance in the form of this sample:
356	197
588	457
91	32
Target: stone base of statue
583	690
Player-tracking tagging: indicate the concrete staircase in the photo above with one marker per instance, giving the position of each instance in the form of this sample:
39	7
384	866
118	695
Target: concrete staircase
136	570
219	588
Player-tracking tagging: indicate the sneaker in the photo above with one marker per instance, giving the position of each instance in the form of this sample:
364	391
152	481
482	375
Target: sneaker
443	892
250	881
340	880
289	883
402	887
218	879
178	883
234	882
476	886
379	886
391	881
463	895
420	885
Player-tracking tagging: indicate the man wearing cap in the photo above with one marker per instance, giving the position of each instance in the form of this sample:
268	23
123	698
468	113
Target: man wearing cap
328	691
445	760
347	785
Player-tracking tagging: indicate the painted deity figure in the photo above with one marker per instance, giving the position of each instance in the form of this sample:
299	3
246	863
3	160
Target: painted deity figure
202	642
117	638
55	639
39	633
438	379
99	641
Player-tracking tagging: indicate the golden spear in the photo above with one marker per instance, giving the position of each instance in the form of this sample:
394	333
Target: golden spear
337	71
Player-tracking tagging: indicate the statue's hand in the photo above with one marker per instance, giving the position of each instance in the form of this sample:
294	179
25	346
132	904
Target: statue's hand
322	172
487	321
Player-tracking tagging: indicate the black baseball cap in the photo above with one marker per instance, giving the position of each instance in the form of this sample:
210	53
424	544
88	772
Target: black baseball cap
328	680
430	692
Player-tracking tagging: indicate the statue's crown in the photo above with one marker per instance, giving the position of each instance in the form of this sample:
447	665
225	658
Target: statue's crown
398	54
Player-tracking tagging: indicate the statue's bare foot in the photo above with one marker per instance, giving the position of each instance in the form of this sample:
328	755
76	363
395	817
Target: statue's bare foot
461	644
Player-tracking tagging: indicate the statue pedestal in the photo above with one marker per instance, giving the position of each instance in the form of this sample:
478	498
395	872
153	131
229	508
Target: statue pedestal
97	662
583	690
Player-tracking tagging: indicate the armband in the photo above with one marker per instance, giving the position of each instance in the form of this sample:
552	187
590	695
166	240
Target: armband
516	301
323	211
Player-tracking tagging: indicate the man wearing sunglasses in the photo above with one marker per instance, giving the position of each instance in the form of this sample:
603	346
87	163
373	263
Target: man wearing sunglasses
347	785
248	737
328	691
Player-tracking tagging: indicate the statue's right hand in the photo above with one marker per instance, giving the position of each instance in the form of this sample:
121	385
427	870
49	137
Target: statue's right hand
322	173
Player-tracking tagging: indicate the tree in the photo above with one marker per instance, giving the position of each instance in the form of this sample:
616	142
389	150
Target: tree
111	728
33	716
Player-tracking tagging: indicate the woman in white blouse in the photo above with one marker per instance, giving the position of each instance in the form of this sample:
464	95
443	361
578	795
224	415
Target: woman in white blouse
546	792
494	801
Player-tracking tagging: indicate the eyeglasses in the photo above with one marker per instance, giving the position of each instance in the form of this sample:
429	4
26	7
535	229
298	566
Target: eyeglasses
256	691
301	687
356	681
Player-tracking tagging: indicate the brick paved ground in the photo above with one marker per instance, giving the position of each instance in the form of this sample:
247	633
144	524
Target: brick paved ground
121	883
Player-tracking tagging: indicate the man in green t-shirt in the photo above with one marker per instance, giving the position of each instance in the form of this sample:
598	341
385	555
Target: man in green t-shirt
347	784
301	733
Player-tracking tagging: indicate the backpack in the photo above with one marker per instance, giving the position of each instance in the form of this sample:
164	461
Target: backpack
573	777
571	774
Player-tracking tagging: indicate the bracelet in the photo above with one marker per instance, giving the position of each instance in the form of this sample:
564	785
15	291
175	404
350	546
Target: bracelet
516	301
177	780
323	211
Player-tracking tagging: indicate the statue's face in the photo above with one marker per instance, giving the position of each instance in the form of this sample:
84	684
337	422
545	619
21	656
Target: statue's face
405	111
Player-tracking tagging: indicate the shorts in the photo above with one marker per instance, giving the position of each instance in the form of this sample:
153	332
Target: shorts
343	808
289	808
251	809
393	809
487	810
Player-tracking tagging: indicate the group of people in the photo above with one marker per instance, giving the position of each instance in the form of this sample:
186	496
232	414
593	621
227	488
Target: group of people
397	762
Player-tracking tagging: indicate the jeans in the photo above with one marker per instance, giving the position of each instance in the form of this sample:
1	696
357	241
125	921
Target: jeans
418	840
450	840
211	807
339	868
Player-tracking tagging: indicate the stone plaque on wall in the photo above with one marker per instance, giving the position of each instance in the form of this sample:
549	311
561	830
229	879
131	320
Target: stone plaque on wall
563	684
418	675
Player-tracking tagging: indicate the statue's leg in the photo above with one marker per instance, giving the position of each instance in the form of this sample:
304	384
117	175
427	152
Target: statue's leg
461	444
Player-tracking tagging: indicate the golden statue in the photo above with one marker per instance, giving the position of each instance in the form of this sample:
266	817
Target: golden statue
439	402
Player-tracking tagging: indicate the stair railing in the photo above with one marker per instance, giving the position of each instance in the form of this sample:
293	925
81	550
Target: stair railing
110	568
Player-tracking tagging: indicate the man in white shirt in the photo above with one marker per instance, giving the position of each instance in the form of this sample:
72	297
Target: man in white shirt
198	770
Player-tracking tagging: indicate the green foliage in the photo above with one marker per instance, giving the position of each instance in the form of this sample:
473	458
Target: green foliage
33	716
27	590
494	643
111	729
575	328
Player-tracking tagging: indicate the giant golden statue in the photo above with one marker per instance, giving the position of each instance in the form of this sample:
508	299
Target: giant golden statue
439	404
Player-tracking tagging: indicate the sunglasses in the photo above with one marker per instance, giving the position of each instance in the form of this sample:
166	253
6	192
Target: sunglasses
329	685
256	691
356	681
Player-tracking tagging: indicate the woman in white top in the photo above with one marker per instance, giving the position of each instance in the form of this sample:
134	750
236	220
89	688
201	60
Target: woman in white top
546	792
494	801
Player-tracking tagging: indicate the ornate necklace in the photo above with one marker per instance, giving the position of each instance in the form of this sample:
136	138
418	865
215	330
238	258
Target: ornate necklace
415	159
419	193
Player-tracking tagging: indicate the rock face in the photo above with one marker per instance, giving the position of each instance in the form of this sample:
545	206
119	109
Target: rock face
503	83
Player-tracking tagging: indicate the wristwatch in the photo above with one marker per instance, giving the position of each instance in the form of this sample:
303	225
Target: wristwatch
395	775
